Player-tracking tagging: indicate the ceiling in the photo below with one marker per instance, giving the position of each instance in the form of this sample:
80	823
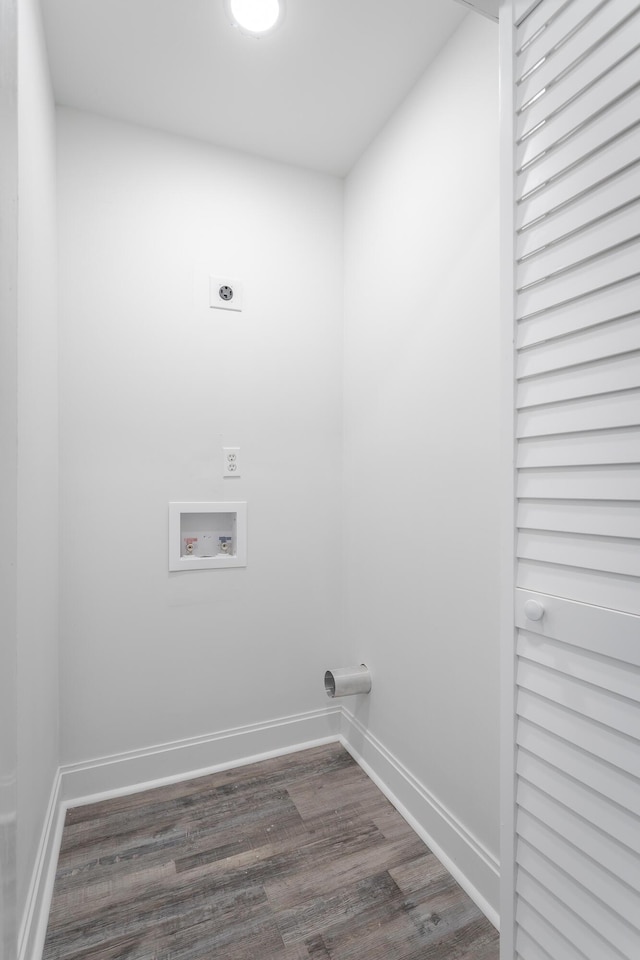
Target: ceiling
314	93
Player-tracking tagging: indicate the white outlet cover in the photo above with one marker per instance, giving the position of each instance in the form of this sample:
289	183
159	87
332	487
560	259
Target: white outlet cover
231	462
225	294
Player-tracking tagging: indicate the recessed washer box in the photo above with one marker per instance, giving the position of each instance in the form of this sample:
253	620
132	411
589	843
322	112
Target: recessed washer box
204	536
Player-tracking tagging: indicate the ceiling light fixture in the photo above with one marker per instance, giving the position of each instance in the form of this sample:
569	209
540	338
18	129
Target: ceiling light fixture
255	17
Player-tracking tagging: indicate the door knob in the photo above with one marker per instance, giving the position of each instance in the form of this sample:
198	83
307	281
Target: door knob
533	610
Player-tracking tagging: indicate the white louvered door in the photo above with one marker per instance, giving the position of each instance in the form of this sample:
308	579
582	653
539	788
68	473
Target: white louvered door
571	829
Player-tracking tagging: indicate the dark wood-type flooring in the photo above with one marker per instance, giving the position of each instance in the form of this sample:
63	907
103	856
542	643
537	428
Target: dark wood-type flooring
297	858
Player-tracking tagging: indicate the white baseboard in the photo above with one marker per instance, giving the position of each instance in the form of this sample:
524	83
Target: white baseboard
465	857
33	926
198	756
475	869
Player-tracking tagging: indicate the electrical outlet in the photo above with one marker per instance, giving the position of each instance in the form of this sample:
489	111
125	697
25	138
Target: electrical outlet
225	294
231	461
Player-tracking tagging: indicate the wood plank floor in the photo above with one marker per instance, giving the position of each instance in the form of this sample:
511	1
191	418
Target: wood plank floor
296	858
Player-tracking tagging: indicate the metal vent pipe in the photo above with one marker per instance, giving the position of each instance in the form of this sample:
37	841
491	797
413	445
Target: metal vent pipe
347	681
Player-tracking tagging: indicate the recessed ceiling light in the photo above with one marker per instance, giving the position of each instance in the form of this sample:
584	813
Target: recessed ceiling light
255	17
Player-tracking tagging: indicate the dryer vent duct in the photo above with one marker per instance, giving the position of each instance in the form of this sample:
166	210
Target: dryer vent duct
347	681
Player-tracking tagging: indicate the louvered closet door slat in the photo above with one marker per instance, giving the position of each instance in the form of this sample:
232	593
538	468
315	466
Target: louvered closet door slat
588	483
591	912
589	770
618	83
611	303
609	674
542	29
572	35
528	949
528	18
620	192
595	171
610	55
614	264
619	482
600	904
611	339
585	802
589	735
593	703
582	449
615	857
587	142
537	930
604	518
607	375
587	244
541	893
611	411
593	553
575	655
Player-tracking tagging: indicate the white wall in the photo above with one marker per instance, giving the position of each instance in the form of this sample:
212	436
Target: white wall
153	383
37	552
421	430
